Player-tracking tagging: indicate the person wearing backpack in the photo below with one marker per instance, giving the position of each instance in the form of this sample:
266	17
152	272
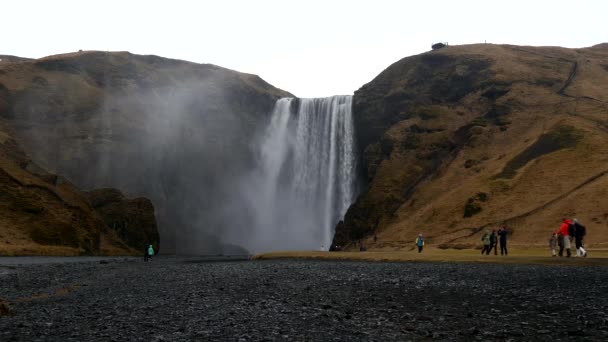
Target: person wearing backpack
485	240
564	230
150	252
420	242
579	234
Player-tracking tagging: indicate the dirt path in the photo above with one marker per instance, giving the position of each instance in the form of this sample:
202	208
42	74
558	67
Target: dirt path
571	77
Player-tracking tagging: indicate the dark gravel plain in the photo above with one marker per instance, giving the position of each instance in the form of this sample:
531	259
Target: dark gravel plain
173	299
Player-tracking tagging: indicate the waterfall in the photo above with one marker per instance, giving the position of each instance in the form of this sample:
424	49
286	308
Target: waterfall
305	177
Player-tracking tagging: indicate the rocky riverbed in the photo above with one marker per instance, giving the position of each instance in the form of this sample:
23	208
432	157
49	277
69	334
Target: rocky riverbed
172	299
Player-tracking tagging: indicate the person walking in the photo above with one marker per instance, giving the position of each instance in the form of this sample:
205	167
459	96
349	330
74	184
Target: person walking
494	242
502	234
553	243
150	252
579	234
146	257
564	230
560	243
485	240
420	242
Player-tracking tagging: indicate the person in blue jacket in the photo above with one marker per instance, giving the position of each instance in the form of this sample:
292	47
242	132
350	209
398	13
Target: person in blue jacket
420	242
150	252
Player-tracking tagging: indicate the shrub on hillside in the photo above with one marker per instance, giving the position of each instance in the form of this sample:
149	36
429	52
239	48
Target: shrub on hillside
473	205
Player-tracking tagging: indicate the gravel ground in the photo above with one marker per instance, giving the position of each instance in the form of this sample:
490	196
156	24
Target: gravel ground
171	299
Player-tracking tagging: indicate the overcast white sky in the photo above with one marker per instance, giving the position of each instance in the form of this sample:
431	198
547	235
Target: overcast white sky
310	48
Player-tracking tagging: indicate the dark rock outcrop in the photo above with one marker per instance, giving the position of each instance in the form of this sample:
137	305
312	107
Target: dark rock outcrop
5	309
131	219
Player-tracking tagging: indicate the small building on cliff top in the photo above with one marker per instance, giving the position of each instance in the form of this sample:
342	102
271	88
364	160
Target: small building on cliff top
439	45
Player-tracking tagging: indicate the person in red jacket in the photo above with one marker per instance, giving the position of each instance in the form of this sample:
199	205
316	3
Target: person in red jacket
564	232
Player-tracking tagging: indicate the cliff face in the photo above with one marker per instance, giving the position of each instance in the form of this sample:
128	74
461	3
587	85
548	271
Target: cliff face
465	138
132	220
176	132
43	214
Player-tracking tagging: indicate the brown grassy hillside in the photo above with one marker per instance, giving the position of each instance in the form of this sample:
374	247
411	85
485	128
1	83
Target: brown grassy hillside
173	131
42	214
465	138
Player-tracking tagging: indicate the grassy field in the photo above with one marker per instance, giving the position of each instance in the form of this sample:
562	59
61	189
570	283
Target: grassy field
516	256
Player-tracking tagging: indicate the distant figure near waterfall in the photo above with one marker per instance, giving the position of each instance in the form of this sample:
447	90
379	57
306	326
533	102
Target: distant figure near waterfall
553	244
420	242
150	252
579	234
486	242
494	242
560	243
502	237
564	231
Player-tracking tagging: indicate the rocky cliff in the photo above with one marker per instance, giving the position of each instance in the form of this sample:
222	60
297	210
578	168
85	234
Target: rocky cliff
176	132
43	214
465	138
132	220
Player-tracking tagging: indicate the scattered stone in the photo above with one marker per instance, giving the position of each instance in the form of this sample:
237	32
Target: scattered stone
175	301
5	309
517	333
409	327
578	332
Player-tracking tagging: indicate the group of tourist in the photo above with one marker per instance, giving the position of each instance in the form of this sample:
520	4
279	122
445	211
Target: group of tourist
570	231
562	238
491	239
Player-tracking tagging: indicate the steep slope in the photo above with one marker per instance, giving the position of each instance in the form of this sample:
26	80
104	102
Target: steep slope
465	138
176	132
43	214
